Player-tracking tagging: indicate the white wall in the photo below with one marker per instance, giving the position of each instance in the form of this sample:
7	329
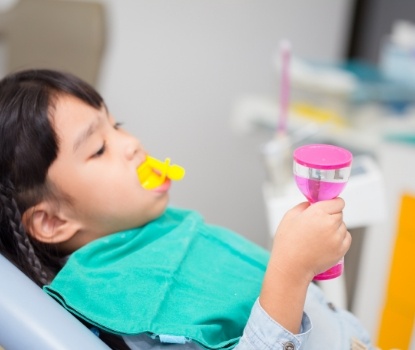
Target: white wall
173	70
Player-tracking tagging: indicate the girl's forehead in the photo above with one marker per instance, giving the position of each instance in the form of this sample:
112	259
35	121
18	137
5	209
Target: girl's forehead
70	109
73	118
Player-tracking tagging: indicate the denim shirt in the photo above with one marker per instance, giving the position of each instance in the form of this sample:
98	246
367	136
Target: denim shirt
323	327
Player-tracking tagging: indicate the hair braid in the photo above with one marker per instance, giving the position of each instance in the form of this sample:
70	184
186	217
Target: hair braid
25	254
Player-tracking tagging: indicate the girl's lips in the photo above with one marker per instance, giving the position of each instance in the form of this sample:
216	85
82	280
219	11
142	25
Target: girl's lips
164	187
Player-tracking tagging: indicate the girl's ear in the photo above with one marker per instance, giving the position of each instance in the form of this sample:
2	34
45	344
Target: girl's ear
47	224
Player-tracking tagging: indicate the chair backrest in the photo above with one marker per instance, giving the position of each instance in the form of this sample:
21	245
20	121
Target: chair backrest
30	319
58	34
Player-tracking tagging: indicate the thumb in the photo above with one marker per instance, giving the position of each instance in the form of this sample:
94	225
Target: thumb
332	206
298	209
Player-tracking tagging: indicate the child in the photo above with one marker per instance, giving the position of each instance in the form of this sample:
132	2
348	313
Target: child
76	220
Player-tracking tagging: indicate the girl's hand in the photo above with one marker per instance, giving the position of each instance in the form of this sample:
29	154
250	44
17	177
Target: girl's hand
310	239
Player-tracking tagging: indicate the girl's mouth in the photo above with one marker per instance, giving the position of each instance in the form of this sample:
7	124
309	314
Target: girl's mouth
164	187
156	175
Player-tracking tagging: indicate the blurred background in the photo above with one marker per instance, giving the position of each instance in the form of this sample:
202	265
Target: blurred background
200	82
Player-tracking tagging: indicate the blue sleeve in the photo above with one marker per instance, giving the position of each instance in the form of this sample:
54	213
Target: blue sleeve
262	332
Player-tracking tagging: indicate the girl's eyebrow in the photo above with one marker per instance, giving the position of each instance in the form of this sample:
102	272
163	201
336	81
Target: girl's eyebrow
84	135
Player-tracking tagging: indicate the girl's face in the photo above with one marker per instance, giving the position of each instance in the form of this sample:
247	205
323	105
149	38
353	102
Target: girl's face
96	167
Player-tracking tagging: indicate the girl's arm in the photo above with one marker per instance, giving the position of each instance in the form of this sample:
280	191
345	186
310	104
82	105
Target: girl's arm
309	240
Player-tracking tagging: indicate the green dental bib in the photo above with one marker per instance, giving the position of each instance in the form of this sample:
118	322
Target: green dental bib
175	276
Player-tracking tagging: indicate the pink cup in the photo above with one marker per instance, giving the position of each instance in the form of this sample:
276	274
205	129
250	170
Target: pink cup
321	172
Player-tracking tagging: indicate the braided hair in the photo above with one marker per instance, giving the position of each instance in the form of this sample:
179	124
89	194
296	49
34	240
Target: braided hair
28	146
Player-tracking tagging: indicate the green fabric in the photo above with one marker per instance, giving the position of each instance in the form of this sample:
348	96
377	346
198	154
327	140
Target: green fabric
176	276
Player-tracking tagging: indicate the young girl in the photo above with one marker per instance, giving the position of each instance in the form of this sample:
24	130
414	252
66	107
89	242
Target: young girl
77	221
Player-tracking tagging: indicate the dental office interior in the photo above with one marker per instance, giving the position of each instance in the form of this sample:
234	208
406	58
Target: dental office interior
229	89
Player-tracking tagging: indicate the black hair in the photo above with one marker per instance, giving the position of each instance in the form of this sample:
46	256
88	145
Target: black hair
28	147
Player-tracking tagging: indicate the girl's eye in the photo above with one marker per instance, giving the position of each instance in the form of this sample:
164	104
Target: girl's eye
117	125
100	152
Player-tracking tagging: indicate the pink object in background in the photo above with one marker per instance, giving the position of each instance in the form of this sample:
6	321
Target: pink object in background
285	86
321	172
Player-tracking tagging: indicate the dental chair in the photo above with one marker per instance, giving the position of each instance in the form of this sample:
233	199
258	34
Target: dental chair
30	319
59	34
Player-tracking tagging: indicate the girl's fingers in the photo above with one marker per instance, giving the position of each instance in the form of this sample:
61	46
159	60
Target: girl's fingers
347	240
299	208
332	206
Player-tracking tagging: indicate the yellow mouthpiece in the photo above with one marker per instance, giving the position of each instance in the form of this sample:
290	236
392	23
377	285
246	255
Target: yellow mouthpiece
152	173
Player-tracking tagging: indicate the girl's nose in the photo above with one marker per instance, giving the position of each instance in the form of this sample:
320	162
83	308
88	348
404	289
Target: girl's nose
132	147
